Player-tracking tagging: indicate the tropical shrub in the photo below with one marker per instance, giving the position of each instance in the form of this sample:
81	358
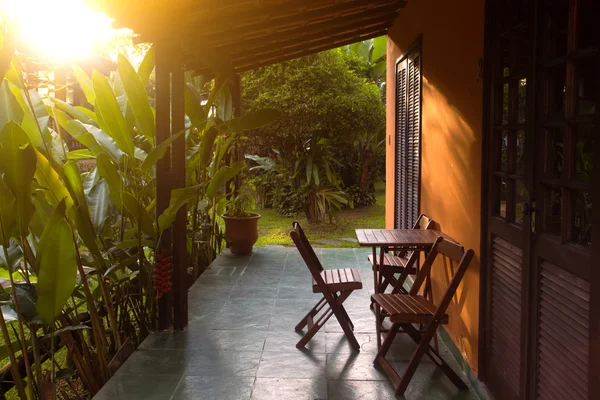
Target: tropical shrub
330	135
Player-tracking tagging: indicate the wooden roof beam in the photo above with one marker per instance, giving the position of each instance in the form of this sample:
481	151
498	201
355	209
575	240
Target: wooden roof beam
298	18
318	36
356	33
314	50
325	28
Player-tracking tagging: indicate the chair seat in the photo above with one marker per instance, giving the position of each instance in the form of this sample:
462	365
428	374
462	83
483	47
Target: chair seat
339	280
396	263
413	309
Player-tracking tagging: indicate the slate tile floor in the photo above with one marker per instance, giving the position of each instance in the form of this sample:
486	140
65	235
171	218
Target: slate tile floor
240	343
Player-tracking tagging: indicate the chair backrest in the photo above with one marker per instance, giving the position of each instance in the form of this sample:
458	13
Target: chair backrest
424	222
308	254
454	252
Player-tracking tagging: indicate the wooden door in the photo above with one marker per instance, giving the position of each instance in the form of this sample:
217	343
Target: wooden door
561	252
541	112
408	138
510	76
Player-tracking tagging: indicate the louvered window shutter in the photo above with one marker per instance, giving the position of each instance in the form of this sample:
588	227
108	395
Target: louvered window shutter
408	140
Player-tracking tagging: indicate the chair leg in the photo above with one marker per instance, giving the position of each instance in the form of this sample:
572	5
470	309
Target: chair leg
434	355
344	320
378	324
416	358
313	311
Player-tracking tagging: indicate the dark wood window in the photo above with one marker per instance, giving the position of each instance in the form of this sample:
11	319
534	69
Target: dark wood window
408	138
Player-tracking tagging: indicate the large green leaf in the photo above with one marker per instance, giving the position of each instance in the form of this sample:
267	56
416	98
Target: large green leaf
147	66
7	50
26	296
10	109
138	99
80	154
378	70
206	147
86	84
7	217
98	201
73	112
14	256
225	104
379	48
18	163
158	152
179	197
221	177
52	185
141	216
56	265
90	180
90	136
109	171
254	120
107	104
193	105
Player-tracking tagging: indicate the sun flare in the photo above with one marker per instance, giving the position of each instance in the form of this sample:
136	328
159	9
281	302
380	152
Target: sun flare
60	30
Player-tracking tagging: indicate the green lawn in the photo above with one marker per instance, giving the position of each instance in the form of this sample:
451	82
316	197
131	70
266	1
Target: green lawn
273	229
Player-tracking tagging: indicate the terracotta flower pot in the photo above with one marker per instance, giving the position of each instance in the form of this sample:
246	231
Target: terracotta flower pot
241	233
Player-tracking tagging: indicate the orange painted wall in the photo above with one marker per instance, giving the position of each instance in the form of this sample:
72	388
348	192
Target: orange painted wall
452	45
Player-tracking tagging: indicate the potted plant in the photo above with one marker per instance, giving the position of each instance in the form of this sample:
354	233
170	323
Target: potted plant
241	225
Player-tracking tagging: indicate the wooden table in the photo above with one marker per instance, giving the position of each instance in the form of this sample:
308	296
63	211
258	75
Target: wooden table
398	239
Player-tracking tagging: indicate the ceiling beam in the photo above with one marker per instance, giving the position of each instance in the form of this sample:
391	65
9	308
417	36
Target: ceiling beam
278	22
306	52
307	32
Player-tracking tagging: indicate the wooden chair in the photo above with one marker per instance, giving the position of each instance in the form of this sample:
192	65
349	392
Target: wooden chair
335	285
403	262
413	308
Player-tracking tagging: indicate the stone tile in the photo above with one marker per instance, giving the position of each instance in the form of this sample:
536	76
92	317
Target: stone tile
214	388
224	363
230	340
260	279
289	389
303	292
139	387
363	320
353	366
296	364
241	320
337	343
361	390
286	341
210	292
293	305
157	361
191	338
241	291
248	305
286	321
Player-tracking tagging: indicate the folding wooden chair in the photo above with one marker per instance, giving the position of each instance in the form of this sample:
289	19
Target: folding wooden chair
335	285
402	262
412	308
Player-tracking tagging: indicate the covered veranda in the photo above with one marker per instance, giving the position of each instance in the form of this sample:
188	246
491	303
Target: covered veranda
231	334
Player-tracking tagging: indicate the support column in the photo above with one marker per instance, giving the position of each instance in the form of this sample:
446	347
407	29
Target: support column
236	102
163	167
180	255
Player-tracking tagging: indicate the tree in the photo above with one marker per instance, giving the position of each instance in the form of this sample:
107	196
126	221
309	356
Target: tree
324	100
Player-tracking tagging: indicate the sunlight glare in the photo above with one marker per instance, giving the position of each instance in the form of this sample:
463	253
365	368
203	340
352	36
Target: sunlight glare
61	30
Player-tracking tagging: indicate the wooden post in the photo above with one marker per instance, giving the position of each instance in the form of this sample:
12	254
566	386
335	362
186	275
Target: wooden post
236	102
180	259
163	167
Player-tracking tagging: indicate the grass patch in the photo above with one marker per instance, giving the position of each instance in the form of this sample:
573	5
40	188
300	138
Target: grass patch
273	229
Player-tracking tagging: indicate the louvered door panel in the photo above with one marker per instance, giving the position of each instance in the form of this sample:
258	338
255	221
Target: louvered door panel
413	138
563	335
408	139
506	313
400	190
